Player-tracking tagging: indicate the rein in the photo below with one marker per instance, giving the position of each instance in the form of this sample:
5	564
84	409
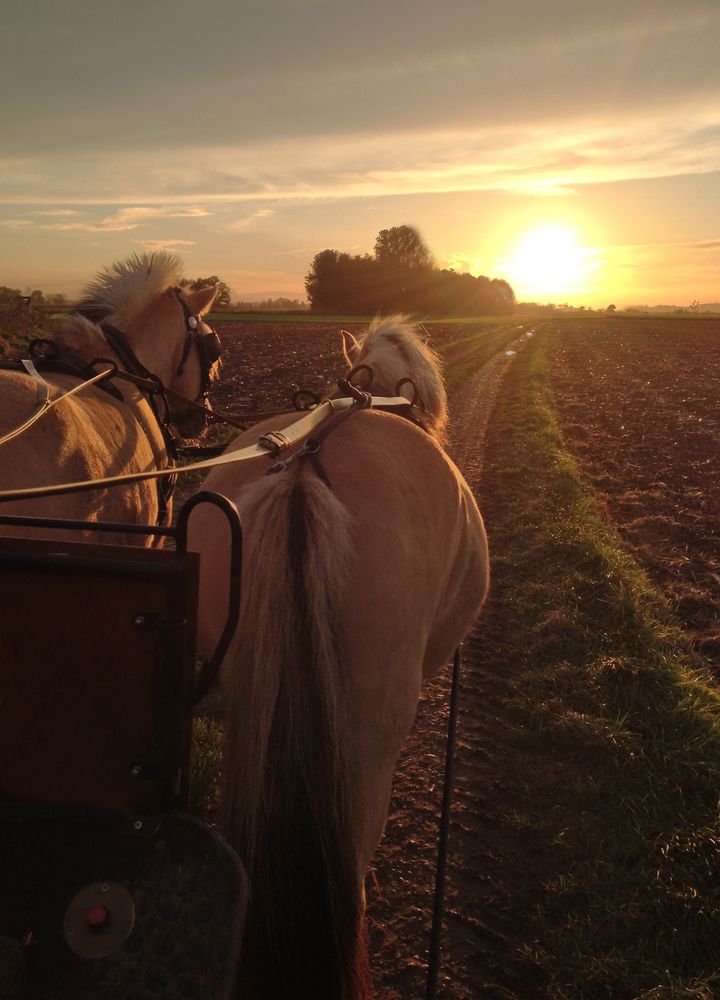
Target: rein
45	403
269	445
444	832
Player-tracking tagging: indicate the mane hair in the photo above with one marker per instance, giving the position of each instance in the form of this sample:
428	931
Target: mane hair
394	349
81	336
122	291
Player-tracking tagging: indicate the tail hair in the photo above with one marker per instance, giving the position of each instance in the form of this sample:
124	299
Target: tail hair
286	807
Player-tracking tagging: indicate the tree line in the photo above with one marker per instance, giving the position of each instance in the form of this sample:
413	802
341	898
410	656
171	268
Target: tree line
400	277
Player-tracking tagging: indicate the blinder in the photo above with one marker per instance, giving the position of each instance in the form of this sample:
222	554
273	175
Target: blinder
208	345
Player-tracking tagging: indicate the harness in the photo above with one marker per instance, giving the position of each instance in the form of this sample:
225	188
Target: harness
362	399
268	445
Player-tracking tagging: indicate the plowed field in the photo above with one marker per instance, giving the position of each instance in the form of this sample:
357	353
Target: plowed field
639	405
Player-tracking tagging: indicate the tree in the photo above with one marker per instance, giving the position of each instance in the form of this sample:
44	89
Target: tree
611	308
400	277
223	297
9	296
402	246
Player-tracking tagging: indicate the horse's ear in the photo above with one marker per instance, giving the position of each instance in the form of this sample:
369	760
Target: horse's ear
351	347
200	301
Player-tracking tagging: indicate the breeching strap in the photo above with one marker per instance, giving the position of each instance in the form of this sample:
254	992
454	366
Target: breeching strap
292	434
439	900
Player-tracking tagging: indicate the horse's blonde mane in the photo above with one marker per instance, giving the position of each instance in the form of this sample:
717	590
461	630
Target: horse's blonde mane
394	349
127	287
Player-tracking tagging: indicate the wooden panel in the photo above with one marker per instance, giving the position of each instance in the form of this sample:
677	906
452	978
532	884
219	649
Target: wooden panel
97	653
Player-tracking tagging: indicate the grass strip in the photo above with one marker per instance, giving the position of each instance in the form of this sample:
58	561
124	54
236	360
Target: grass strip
621	718
463	357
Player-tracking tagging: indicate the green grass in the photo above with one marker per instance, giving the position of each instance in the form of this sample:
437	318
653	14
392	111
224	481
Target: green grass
206	766
486	345
623	722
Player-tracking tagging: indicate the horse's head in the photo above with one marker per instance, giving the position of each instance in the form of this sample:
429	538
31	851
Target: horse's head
392	359
159	329
198	361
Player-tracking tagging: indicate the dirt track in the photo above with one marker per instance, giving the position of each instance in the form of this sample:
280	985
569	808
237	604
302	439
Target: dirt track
493	868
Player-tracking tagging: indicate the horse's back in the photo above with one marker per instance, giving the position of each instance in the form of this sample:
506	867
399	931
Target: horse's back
418	532
415	578
87	436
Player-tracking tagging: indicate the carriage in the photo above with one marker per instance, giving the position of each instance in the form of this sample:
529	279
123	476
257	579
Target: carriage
364	561
109	888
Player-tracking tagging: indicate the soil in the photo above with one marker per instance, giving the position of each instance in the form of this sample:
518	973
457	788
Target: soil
639	406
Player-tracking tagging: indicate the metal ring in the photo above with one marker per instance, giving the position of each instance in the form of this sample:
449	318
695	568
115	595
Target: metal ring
398	390
311	399
356	371
311	446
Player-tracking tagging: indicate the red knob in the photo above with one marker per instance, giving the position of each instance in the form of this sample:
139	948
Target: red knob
98	917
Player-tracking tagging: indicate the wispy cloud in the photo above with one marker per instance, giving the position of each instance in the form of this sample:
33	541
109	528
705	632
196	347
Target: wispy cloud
57	212
171	245
537	158
123	220
249	221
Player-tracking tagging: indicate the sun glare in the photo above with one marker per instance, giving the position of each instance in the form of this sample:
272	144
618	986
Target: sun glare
548	261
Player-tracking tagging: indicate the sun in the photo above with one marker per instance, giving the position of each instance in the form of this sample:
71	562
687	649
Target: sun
548	261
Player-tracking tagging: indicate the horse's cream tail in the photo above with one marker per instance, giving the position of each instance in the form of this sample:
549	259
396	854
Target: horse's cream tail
285	805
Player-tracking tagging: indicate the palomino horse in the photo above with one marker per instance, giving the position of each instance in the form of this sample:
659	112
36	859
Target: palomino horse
150	328
364	566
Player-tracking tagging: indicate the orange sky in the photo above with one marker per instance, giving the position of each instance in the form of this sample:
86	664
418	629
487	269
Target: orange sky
575	152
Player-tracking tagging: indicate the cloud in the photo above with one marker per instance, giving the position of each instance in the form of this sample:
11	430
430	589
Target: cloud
57	212
241	225
536	158
170	245
122	220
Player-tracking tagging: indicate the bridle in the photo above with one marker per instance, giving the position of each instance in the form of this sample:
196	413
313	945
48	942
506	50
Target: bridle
208	348
207	344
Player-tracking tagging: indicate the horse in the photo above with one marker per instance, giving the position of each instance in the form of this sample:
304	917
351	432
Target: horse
135	317
364	565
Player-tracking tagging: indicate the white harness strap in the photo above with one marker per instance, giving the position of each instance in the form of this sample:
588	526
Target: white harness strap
44	402
262	448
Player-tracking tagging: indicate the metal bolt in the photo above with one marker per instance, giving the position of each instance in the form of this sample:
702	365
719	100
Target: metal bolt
105	887
139	620
138	824
136	770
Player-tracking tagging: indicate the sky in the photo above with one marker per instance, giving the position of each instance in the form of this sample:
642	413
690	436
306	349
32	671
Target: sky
570	148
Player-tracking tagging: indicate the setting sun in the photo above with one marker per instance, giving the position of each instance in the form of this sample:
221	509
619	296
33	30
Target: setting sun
549	261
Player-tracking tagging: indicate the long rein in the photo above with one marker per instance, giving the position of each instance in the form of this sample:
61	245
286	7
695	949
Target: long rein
270	445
